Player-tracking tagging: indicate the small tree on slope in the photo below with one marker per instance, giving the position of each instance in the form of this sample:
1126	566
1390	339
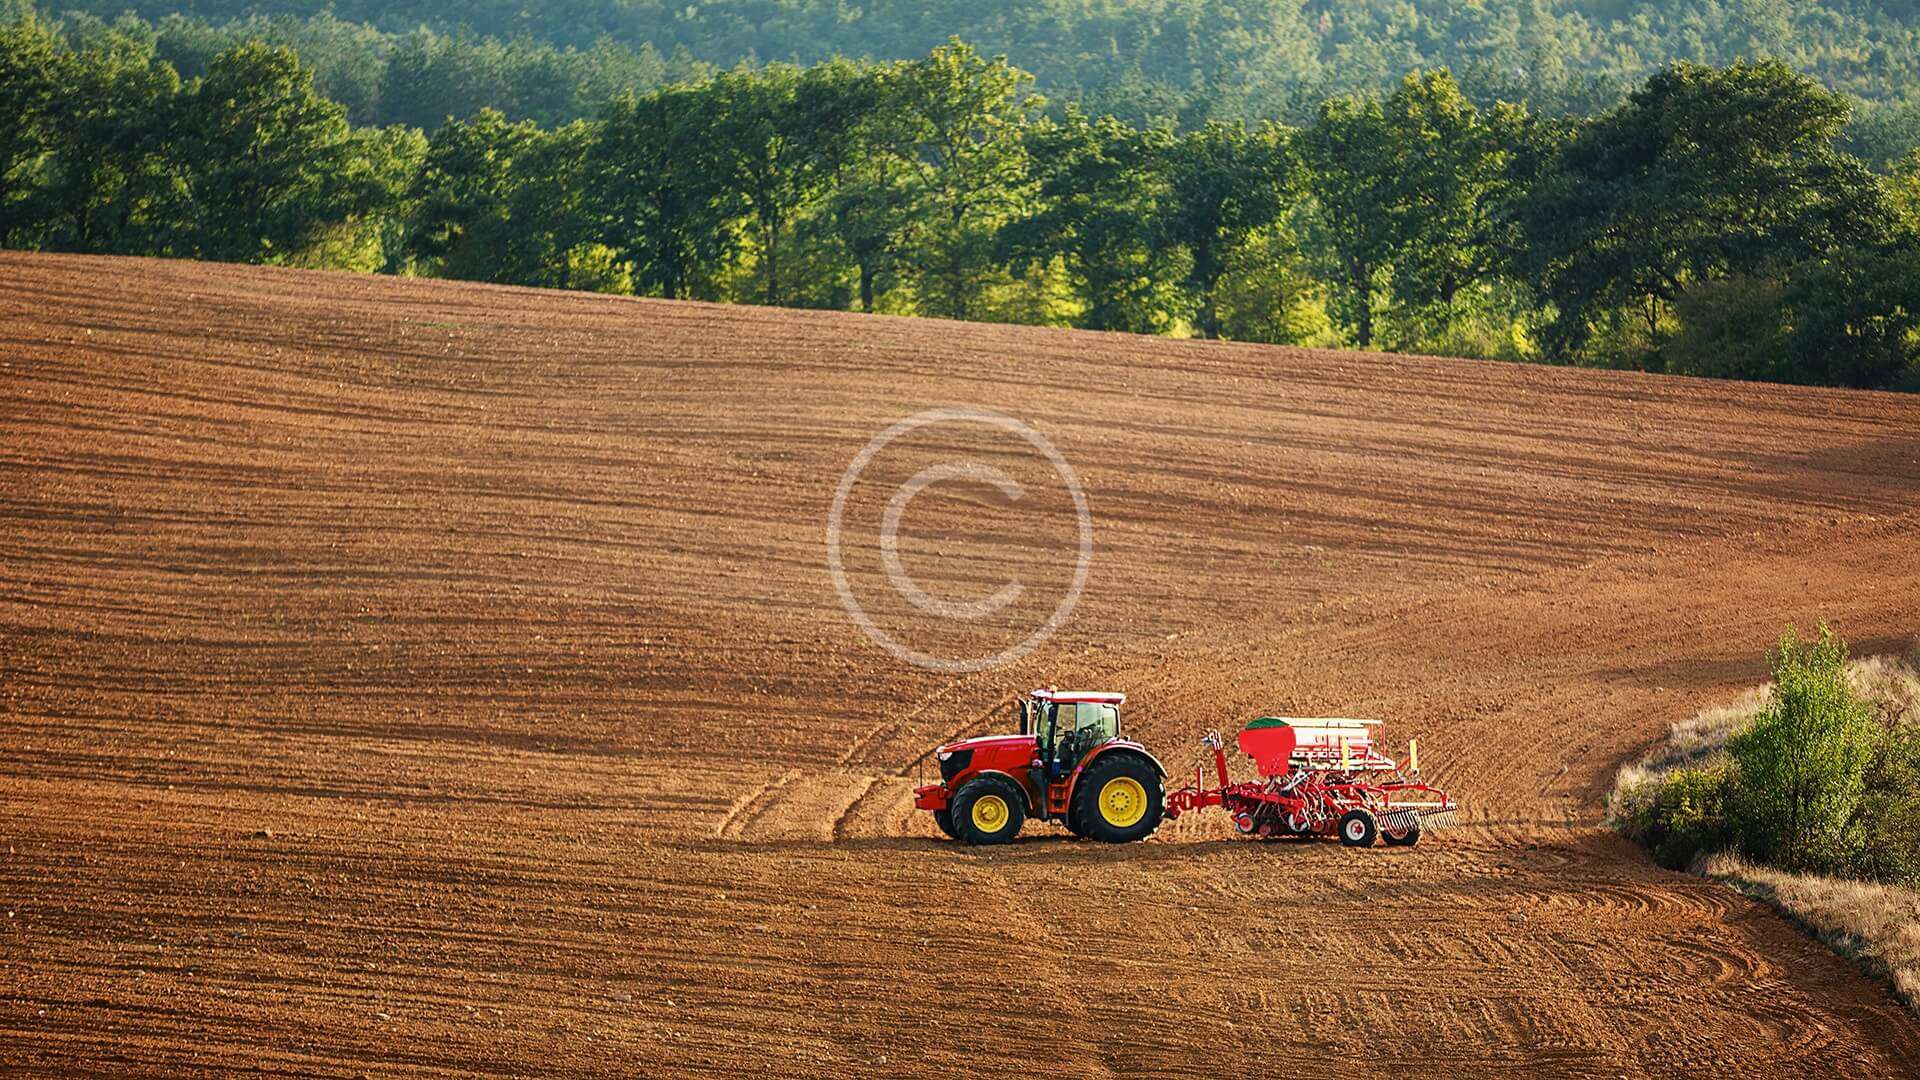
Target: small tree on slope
1802	762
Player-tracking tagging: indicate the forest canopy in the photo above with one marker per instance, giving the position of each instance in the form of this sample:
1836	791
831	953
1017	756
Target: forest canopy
1188	61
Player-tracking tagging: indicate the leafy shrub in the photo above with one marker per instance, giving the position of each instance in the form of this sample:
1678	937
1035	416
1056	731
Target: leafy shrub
1889	815
1681	815
1818	771
1802	763
597	268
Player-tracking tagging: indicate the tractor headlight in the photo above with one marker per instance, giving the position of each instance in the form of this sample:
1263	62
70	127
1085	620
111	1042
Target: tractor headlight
953	763
943	753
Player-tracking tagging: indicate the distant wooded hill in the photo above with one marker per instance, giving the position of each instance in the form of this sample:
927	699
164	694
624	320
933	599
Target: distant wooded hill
1139	60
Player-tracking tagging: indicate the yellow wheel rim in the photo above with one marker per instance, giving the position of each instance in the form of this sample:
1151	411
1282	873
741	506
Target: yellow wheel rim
1123	802
990	813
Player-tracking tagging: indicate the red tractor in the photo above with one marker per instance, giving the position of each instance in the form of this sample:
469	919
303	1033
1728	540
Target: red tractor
1068	764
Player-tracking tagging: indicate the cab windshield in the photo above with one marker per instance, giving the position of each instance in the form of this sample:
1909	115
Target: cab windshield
1090	722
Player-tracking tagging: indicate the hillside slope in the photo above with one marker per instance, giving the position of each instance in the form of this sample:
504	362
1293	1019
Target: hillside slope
409	677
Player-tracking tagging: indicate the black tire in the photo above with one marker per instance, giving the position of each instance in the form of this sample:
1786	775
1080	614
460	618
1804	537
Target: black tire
944	819
1072	822
1110	816
1405	839
993	825
1358	828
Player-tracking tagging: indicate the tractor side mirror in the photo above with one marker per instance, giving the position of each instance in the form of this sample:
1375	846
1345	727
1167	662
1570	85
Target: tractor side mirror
1020	714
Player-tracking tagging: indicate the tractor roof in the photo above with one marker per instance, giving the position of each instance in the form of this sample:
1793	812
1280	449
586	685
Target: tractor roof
1099	697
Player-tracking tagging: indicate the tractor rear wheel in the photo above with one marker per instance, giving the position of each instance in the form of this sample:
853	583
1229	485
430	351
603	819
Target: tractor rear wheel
1118	799
989	810
1358	828
944	818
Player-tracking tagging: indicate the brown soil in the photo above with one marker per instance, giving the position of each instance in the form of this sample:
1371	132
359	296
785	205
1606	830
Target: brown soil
425	678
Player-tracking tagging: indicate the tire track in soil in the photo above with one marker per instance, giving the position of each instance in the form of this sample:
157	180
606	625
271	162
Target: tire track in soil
754	806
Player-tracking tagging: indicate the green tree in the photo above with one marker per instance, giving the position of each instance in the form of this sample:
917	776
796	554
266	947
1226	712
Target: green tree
1267	293
1701	174
381	169
34	69
660	192
268	160
1855	319
1454	161
108	184
780	133
1802	763
386	162
459	225
1102	188
1225	183
552	237
1404	188
874	193
961	129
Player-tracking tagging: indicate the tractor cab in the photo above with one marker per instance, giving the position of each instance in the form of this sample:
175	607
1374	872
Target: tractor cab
1068	763
1067	725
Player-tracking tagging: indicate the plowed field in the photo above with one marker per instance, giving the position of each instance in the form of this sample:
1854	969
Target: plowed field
413	678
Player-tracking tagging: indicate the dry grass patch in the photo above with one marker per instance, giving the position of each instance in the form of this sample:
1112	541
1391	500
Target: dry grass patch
1698	740
1876	925
1890	684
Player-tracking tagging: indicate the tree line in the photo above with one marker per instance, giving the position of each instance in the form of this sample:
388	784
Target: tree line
1710	223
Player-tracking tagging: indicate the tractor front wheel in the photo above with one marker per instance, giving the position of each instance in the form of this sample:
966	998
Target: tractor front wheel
989	810
944	818
1358	828
1118	799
